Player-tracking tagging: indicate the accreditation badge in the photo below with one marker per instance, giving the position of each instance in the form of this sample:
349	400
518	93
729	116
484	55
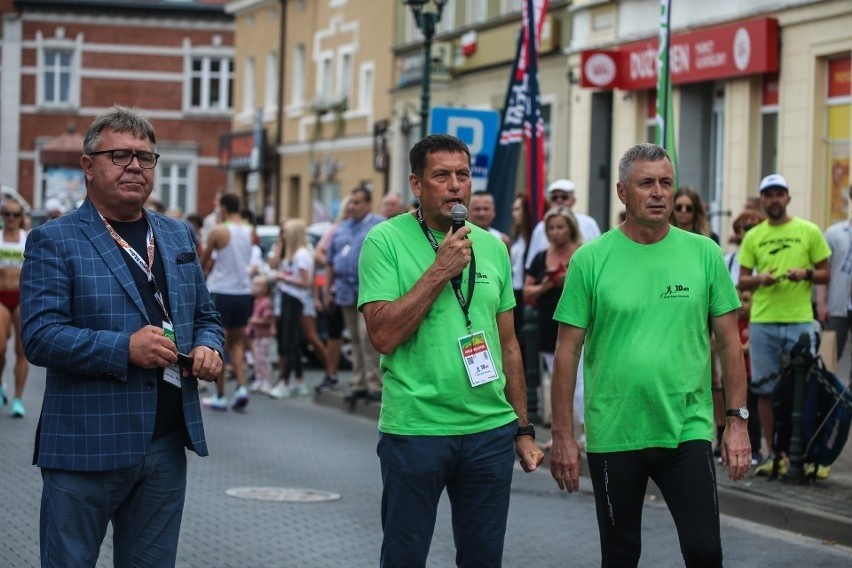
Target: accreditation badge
477	359
171	374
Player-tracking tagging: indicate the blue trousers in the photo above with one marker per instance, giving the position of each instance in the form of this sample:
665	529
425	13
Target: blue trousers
475	469
144	503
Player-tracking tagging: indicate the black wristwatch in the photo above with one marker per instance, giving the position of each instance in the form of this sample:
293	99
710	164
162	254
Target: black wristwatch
528	430
738	412
809	275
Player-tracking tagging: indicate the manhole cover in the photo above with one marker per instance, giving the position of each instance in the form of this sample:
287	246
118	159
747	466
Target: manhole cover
288	494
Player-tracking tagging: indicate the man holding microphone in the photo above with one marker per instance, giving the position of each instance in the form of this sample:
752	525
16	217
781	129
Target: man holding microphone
454	404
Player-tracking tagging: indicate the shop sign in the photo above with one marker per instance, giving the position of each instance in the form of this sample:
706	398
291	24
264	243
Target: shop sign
235	151
411	66
770	90
840	77
730	50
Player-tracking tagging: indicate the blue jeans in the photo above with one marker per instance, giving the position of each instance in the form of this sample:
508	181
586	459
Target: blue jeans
144	503
770	343
476	470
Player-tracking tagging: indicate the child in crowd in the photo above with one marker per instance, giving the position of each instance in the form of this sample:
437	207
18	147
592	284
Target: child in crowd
261	329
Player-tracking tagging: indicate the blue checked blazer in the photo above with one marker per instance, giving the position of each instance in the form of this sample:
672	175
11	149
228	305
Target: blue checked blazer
79	307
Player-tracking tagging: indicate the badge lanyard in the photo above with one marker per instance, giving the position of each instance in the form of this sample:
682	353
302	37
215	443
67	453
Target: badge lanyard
464	304
147	268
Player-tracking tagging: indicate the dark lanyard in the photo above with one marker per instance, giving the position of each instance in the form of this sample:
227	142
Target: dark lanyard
456	284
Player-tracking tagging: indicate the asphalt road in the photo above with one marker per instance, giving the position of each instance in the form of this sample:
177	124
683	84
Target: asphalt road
299	445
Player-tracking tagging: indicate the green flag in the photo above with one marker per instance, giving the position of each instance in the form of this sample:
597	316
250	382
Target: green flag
665	114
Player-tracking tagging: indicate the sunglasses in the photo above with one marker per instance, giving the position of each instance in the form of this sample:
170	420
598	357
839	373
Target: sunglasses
12	214
684	207
560	197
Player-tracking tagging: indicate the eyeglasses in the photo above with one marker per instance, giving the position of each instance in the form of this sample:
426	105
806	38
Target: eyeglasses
12	214
122	157
560	196
683	207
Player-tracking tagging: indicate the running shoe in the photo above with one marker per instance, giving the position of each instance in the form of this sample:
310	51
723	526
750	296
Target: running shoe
300	390
241	398
215	402
17	409
327	383
2	396
280	391
822	472
765	469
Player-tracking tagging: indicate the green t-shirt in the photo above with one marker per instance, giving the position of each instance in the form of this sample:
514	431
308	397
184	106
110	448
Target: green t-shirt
777	248
426	389
646	309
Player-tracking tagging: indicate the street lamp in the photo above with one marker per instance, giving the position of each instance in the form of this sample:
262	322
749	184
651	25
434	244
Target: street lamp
427	13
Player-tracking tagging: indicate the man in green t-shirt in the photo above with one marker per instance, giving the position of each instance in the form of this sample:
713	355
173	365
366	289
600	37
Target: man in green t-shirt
643	298
439	307
780	259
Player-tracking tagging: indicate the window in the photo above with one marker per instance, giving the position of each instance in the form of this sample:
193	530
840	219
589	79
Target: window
211	81
325	79
270	99
248	86
477	11
173	187
366	86
769	126
547	118
509	6
838	136
344	85
57	78
297	92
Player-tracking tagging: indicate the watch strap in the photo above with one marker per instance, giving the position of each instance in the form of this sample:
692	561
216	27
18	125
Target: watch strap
528	430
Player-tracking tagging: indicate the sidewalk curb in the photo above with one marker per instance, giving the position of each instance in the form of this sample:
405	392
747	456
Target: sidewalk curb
741	503
734	500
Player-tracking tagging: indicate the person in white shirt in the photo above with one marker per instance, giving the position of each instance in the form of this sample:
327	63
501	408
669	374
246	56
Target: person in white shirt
561	192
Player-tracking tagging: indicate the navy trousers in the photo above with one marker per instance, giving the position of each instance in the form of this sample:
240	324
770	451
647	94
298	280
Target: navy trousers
476	471
144	504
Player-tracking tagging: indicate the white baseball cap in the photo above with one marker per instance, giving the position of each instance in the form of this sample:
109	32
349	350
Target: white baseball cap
773	180
54	204
565	185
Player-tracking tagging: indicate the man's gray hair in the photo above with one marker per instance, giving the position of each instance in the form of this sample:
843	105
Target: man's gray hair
645	152
119	119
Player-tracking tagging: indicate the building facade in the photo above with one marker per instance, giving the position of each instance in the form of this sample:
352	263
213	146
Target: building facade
336	107
248	152
63	63
759	87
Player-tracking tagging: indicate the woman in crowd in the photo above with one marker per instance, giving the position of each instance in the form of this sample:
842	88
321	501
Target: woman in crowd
521	230
690	214
11	261
293	265
543	285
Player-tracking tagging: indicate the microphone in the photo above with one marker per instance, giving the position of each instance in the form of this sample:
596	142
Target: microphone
459	213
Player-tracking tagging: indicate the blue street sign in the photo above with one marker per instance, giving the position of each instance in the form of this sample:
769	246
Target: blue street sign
476	128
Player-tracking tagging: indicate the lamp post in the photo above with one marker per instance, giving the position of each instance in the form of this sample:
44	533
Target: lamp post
427	13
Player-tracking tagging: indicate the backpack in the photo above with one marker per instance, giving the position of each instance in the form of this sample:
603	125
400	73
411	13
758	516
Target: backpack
826	411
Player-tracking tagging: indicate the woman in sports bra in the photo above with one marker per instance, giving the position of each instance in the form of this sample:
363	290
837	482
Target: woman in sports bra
11	260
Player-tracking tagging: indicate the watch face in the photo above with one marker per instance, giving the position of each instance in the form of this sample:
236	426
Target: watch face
739	413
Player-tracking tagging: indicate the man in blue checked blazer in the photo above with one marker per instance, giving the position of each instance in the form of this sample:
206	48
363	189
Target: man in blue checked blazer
111	293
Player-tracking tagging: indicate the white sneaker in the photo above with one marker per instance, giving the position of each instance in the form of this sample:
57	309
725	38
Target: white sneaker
241	398
215	402
300	390
280	391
